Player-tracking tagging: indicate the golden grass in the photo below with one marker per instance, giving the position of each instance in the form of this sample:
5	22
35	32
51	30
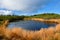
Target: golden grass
51	33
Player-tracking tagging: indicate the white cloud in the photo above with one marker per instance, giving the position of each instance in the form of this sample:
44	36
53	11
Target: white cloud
23	5
5	12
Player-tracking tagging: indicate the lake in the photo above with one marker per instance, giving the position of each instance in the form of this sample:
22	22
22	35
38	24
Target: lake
30	25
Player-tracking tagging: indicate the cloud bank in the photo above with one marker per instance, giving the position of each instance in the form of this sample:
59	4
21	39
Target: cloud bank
5	12
23	5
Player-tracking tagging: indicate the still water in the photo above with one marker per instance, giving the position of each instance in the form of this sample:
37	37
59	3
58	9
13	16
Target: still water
30	25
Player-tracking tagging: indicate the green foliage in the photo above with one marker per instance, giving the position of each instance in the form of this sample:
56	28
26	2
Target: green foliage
47	16
15	17
11	18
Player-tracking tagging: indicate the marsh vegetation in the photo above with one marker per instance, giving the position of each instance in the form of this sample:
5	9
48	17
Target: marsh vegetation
51	33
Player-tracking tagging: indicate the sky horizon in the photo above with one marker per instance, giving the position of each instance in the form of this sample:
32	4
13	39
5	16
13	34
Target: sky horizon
29	7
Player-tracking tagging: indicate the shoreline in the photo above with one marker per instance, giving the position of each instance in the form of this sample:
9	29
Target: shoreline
45	20
57	21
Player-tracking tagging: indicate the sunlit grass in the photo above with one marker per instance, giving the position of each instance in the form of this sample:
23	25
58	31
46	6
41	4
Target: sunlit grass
51	33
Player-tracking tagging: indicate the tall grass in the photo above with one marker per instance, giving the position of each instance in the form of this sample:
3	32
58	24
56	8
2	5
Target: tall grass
52	33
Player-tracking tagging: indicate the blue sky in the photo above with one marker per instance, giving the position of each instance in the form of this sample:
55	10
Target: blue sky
29	7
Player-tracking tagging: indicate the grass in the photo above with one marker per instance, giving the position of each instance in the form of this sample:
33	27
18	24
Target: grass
52	33
15	17
21	34
46	16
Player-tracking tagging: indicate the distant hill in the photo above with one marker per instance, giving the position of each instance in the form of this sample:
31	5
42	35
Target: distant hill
47	15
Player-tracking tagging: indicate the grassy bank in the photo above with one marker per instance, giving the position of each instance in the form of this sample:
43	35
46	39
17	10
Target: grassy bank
21	34
51	33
